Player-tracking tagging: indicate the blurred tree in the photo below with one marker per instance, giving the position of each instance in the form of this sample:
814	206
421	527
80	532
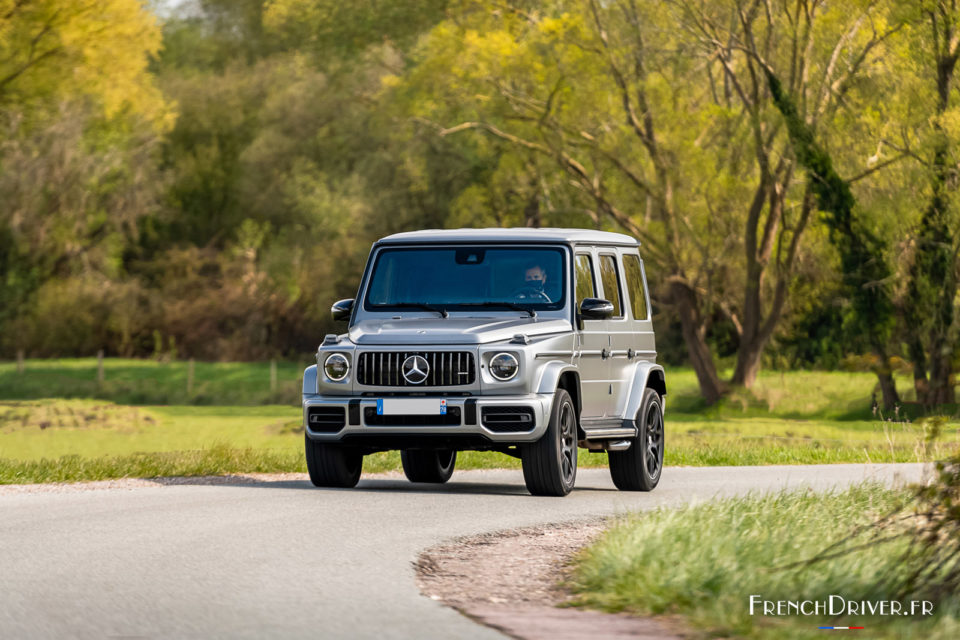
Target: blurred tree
929	305
865	272
209	35
332	30
51	50
657	120
79	120
291	140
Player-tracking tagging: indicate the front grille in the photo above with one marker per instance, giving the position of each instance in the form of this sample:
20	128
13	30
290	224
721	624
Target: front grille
507	419
326	419
447	368
450	419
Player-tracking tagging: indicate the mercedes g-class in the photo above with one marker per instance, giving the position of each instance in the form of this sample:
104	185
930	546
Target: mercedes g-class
530	342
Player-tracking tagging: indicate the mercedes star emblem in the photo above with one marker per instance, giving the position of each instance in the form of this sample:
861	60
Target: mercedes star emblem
415	369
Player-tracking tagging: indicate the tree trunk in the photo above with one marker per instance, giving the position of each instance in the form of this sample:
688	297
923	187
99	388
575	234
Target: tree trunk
931	290
749	351
932	287
941	372
694	336
888	388
748	362
942	347
757	330
919	359
531	212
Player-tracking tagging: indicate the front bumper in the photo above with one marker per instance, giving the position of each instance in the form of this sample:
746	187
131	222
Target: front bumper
469	427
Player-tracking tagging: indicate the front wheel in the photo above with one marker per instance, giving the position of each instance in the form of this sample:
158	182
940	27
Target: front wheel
332	465
639	467
428	466
550	463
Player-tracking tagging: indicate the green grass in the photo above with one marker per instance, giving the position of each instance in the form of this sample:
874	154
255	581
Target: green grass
216	459
703	563
113	430
34	429
75	440
797	417
127	381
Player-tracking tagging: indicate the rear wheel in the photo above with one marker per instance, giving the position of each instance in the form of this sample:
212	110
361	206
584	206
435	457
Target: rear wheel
550	463
639	467
332	465
428	466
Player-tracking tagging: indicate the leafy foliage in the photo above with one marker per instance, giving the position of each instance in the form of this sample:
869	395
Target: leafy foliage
217	190
863	267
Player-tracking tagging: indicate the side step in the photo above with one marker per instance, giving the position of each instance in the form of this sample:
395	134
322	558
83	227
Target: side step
608	435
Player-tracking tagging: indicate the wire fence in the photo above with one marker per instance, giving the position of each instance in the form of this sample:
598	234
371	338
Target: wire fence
153	382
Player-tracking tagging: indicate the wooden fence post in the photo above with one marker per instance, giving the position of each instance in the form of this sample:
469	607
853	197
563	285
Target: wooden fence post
100	368
190	377
273	375
20	365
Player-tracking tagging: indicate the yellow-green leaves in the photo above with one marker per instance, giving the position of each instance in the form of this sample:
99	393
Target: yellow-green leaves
56	50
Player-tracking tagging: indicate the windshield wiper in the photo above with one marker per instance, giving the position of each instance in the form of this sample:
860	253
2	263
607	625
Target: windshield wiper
509	305
421	305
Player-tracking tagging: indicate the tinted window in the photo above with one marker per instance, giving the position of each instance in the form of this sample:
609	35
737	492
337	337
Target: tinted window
467	278
586	286
638	293
611	284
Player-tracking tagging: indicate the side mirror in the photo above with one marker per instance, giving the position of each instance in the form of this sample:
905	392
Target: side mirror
342	309
595	309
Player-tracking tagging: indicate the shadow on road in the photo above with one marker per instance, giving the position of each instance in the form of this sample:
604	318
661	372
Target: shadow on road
367	485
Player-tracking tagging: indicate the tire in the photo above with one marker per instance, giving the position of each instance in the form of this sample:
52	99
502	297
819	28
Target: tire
639	468
428	466
550	463
332	465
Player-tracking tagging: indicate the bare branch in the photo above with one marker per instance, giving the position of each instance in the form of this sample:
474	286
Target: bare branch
878	167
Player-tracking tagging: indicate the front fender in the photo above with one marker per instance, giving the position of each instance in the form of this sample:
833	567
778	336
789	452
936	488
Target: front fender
310	380
550	375
645	374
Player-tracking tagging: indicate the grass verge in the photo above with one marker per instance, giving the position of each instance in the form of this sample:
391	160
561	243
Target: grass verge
218	459
703	563
73	440
54	414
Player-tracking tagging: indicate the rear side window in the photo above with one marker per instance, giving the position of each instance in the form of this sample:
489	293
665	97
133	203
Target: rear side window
611	284
638	293
586	285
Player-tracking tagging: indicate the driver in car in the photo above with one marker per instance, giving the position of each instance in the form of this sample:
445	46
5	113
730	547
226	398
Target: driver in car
535	280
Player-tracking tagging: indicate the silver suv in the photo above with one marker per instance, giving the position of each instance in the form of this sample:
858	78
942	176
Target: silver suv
530	342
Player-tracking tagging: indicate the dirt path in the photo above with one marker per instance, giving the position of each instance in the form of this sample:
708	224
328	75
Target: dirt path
511	582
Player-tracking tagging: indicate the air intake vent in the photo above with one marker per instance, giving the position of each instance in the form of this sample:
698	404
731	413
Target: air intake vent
507	419
444	368
326	419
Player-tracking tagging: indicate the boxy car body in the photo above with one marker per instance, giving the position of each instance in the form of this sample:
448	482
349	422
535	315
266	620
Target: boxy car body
532	342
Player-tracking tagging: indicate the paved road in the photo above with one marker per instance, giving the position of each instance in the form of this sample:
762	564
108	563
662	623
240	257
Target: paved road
286	560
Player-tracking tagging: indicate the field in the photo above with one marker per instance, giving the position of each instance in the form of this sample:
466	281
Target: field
665	562
58	423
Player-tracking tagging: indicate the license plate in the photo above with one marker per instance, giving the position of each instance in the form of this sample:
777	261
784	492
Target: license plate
411	406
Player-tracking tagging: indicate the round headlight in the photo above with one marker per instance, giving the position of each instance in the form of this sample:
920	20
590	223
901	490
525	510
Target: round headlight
336	366
504	366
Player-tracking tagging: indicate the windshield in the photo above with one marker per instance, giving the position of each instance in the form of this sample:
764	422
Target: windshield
467	279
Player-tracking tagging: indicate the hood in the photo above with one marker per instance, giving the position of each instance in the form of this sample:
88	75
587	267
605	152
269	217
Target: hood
453	330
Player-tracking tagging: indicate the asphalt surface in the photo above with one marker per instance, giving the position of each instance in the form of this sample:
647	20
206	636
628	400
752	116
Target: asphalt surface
286	560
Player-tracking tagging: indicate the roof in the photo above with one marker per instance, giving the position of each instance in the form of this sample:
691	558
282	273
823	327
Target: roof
518	234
